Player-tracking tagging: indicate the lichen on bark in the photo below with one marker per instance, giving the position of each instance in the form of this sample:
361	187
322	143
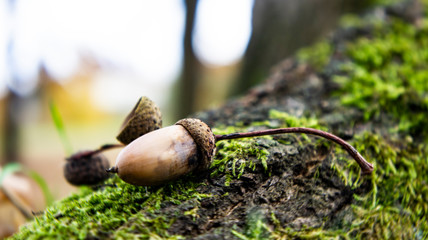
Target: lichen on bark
367	87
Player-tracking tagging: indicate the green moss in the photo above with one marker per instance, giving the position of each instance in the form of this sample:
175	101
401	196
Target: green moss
387	73
289	120
396	207
235	156
112	212
256	226
317	55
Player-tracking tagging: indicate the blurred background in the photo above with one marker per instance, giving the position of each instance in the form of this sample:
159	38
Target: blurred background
94	59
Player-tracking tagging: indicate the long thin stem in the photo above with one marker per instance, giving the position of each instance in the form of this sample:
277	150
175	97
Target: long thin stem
89	153
366	167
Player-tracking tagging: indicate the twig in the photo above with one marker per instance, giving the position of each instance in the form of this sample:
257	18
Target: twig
366	167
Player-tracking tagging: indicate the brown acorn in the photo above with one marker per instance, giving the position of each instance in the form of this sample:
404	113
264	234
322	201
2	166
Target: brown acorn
20	195
166	154
86	168
144	117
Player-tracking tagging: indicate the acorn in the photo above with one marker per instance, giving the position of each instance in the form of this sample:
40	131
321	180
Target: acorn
20	196
166	154
144	117
86	168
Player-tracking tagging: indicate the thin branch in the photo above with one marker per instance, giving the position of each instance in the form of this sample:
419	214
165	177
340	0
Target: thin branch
366	167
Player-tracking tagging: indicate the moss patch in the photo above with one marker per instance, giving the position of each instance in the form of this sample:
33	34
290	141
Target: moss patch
113	212
317	55
386	73
396	207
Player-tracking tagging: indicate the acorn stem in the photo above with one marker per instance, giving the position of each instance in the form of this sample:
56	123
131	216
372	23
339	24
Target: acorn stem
113	169
93	152
365	166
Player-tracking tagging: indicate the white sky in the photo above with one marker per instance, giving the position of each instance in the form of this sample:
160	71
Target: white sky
222	30
139	39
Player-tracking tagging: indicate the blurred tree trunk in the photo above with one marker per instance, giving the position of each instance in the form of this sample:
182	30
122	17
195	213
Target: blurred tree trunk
12	108
11	129
191	72
280	27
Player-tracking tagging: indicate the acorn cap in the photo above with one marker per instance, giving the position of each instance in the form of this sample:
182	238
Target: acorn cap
144	117
203	137
86	169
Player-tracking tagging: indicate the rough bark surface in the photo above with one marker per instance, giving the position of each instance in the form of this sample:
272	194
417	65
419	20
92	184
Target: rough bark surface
301	188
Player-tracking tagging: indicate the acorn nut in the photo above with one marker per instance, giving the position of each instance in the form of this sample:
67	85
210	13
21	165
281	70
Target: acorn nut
85	168
166	154
144	117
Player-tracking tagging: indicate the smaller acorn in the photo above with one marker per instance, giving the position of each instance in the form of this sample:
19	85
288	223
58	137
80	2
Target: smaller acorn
144	117
20	196
166	154
86	168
